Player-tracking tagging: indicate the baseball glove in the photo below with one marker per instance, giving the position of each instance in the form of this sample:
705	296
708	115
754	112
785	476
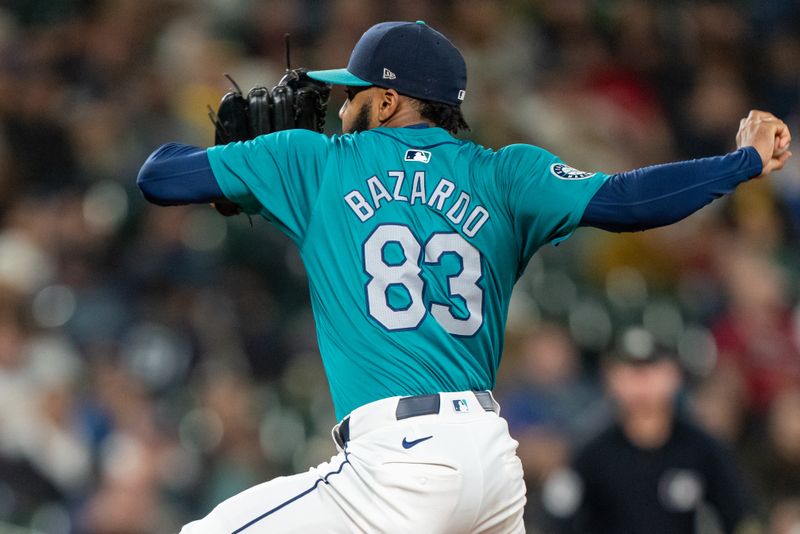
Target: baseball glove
296	102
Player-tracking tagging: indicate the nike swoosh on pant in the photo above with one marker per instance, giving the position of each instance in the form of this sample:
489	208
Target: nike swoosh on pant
408	444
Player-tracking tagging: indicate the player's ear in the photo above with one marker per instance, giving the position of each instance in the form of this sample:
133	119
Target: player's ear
388	104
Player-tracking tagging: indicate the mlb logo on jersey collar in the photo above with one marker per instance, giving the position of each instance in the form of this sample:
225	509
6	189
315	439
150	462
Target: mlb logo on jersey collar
460	405
420	156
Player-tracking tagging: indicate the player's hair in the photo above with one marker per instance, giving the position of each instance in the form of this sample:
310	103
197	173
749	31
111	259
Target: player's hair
446	116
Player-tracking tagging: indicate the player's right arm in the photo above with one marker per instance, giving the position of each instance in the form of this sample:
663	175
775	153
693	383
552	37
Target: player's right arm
663	194
548	199
275	175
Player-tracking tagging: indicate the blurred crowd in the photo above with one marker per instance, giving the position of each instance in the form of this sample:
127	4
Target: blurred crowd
155	361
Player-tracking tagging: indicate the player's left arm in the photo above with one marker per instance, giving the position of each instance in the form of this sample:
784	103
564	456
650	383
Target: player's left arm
663	194
177	174
276	175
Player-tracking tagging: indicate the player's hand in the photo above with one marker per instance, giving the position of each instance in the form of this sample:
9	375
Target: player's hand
769	136
226	208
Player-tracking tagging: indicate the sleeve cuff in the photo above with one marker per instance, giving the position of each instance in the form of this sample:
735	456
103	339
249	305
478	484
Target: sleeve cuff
753	160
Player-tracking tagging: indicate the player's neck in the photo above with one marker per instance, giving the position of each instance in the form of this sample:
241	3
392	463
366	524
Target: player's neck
405	116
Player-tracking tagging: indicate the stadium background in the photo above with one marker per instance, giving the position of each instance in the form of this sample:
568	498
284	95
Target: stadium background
155	361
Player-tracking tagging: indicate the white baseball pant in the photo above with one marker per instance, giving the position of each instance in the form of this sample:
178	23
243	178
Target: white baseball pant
455	471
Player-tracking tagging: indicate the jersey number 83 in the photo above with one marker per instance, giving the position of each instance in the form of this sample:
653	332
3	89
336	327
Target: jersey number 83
384	274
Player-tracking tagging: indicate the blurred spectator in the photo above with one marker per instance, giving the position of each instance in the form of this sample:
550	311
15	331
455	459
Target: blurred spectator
652	470
718	401
547	403
756	336
44	454
777	465
785	517
549	390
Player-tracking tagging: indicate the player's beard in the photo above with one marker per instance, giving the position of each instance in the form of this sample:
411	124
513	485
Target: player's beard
361	122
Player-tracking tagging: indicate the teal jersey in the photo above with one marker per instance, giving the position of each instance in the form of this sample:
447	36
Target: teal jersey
412	241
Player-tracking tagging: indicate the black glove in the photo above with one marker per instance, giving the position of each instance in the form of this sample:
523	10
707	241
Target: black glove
296	102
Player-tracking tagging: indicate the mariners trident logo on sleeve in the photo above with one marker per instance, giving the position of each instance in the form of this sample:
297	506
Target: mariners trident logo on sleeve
421	156
565	172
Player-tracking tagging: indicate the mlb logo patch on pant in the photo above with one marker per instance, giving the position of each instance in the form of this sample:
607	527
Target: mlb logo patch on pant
460	405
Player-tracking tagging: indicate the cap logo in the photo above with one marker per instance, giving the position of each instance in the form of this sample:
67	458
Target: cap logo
461	94
420	156
388	75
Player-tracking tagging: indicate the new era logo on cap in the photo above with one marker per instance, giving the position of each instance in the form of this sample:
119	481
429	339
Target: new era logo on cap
388	75
420	156
461	94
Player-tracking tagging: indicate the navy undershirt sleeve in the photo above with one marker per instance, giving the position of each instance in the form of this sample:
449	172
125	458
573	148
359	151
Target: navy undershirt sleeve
663	194
178	174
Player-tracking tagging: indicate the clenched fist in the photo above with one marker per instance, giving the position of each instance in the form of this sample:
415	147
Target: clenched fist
769	136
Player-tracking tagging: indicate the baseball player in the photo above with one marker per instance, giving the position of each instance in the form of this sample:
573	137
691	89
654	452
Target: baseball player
412	241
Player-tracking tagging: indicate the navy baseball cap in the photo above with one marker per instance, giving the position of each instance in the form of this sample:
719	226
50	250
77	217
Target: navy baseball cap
638	346
409	57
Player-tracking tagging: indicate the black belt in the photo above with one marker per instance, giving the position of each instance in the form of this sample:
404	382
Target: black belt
416	406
